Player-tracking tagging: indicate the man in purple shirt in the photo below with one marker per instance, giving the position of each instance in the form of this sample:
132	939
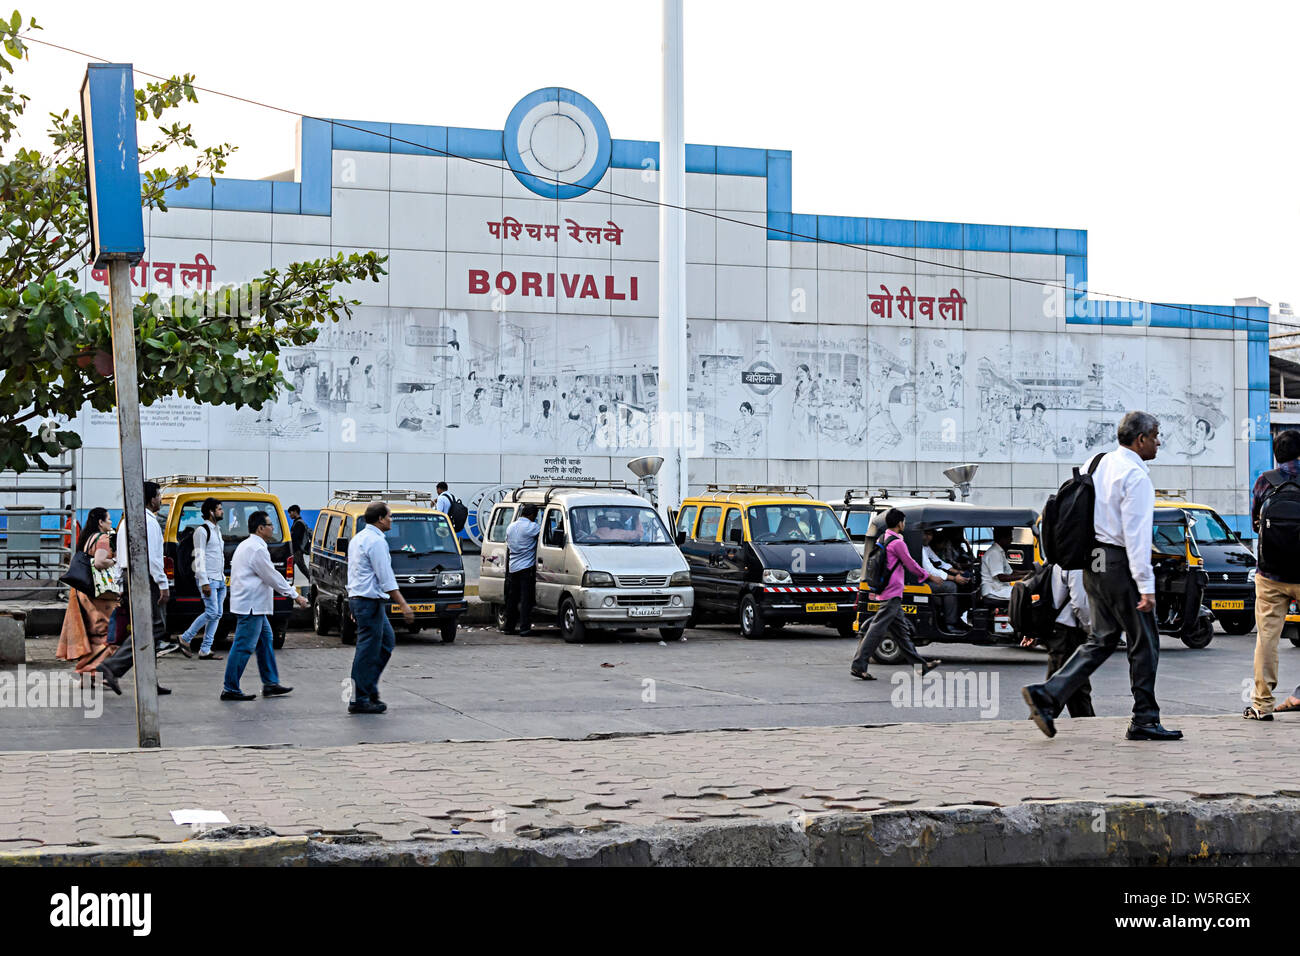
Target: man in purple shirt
890	619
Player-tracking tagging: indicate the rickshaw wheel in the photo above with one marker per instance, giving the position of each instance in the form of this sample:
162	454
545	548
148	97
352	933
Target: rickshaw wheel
1201	637
889	652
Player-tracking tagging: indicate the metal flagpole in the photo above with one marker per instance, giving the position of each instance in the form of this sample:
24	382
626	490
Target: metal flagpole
674	364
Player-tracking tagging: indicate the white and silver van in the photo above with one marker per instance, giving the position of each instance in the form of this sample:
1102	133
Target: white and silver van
605	560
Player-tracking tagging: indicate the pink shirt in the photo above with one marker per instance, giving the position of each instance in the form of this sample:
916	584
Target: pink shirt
901	561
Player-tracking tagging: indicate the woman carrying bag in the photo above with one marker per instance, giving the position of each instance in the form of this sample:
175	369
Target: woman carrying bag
85	623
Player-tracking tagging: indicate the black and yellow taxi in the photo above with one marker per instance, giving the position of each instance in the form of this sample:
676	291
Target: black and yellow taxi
426	562
766	556
1228	564
181	512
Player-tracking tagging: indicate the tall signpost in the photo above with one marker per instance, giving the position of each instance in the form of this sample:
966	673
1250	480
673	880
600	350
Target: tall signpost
117	240
674	363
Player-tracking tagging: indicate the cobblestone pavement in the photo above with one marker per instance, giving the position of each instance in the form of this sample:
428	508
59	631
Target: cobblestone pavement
530	787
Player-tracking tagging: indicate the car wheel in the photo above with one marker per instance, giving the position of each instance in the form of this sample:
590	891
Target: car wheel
752	625
320	618
1238	623
448	631
845	628
889	652
571	627
672	633
499	617
347	627
1201	636
278	632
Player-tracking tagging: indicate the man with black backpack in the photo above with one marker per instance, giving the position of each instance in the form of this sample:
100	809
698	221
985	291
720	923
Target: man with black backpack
1119	579
452	507
1275	514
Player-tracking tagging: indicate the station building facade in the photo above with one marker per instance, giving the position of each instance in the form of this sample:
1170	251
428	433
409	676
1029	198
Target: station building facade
515	334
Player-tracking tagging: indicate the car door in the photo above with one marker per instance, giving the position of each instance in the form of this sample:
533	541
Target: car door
492	556
701	551
550	558
730	557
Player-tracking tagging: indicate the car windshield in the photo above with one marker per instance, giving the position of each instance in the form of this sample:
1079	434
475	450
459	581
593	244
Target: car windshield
234	521
790	524
1208	527
617	524
418	534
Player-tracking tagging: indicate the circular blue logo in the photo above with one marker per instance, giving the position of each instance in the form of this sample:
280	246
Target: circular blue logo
557	143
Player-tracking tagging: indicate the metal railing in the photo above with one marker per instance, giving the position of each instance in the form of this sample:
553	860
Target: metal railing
1284	404
34	550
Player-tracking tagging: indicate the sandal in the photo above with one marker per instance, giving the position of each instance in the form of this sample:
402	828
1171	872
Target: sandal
1286	705
1254	713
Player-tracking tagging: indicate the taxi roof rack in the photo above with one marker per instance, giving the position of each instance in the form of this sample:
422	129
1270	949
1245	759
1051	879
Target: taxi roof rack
1171	493
549	488
380	494
207	481
949	493
744	489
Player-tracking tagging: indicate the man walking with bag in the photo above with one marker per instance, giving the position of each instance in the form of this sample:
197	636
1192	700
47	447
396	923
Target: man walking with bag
1275	514
1120	584
210	575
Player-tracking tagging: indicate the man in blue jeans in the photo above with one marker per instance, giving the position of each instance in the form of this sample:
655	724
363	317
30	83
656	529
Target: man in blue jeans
210	575
254	582
371	588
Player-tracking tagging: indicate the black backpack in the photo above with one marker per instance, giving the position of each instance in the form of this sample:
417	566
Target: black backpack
458	513
1031	610
1279	527
184	566
1067	535
878	572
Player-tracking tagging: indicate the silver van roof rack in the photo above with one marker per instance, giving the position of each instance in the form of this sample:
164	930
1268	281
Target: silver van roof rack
207	481
883	494
550	488
380	494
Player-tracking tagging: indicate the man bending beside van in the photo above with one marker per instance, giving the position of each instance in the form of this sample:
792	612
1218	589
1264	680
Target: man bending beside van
521	572
371	587
1120	584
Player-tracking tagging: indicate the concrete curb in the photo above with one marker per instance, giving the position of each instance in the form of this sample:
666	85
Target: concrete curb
1217	831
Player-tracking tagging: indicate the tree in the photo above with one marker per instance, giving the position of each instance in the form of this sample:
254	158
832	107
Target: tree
56	342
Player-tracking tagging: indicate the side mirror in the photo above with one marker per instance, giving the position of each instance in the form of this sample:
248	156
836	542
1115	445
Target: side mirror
680	537
341	546
737	536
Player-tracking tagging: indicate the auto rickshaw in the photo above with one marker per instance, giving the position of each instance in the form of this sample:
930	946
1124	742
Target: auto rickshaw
1180	580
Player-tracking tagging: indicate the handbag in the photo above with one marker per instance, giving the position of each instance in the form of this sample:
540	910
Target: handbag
106	579
81	574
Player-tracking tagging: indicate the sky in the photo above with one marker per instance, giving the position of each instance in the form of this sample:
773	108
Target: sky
1168	130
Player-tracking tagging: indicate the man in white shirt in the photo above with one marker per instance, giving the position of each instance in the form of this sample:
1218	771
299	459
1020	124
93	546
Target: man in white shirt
372	587
254	582
996	573
117	665
944	592
1120	584
210	575
443	503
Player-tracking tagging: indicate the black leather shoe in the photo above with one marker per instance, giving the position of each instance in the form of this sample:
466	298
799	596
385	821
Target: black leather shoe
1040	708
861	675
275	690
367	707
929	666
109	680
237	695
1156	731
163	691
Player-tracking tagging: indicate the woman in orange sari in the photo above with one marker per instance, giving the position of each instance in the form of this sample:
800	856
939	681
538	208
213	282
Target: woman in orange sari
85	623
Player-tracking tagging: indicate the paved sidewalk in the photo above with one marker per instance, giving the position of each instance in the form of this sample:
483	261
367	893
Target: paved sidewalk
533	787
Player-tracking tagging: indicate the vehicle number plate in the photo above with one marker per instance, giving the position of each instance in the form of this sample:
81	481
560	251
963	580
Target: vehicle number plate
1228	605
645	612
417	608
875	606
811	608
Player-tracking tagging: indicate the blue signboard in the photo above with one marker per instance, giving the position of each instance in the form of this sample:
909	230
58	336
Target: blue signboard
112	164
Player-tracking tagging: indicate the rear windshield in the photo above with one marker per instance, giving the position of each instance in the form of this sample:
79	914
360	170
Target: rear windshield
234	522
617	524
859	523
790	524
419	534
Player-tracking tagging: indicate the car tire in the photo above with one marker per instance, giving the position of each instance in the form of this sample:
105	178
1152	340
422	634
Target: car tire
845	629
278	631
347	628
672	633
448	631
571	627
1236	624
752	625
499	617
320	618
889	651
1201	637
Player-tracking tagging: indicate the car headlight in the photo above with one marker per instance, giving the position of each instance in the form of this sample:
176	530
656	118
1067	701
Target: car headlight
597	579
451	579
679	579
776	576
855	576
1250	576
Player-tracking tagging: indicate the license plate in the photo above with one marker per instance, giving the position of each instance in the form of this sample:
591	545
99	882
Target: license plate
815	608
875	606
645	612
1228	605
417	608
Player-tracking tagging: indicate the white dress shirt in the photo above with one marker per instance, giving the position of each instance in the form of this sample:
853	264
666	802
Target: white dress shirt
154	543
992	564
210	555
933	564
254	580
370	565
1068	594
1124	510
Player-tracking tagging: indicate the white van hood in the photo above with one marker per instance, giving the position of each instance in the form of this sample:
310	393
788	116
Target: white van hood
633	559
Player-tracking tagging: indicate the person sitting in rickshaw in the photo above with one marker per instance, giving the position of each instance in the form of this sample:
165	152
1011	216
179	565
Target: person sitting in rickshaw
944	590
996	573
